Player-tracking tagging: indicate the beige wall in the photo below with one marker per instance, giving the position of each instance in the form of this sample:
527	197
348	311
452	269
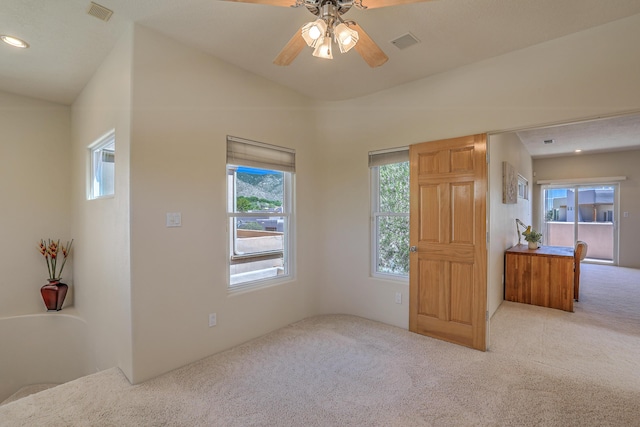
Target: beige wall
34	193
101	227
573	77
504	147
623	163
185	103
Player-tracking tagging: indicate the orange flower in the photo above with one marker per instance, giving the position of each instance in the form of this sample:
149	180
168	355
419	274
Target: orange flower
49	250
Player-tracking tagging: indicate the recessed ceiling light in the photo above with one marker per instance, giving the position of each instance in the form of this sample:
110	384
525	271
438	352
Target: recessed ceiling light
578	151
14	41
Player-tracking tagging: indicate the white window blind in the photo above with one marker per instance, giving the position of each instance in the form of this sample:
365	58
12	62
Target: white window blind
385	157
260	155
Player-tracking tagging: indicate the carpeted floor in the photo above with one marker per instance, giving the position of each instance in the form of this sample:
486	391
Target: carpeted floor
545	368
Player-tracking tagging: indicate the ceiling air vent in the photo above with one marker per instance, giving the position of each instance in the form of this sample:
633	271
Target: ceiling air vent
99	11
405	41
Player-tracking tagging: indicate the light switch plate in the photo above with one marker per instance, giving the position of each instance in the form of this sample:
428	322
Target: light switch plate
174	219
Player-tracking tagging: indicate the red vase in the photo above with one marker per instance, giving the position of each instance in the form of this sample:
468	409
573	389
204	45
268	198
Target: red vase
53	294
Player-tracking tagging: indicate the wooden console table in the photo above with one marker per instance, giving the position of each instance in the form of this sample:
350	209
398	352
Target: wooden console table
542	276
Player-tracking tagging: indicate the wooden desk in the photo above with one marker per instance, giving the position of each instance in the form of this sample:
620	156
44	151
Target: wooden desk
542	276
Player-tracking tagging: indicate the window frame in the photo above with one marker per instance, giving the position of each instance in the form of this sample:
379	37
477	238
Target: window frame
377	159
288	236
96	147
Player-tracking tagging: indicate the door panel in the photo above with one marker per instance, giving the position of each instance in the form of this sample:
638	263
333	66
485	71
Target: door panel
430	209
429	297
462	212
448	228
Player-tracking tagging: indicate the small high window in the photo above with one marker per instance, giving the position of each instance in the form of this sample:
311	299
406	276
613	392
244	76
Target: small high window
102	155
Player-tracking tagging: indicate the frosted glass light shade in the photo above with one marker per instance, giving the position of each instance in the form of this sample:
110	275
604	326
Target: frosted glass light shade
323	50
346	37
312	32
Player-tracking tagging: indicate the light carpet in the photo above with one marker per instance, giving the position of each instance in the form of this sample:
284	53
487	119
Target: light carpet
545	367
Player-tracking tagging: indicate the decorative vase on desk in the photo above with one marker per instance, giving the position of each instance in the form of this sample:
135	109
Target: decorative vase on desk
53	294
533	245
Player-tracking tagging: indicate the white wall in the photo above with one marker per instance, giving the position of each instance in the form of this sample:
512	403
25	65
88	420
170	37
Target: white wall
504	147
34	193
185	103
101	227
623	163
583	75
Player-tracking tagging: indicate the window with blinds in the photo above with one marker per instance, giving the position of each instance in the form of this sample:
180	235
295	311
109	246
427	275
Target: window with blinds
260	211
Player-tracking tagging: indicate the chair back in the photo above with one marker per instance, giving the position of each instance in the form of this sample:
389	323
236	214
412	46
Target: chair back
581	250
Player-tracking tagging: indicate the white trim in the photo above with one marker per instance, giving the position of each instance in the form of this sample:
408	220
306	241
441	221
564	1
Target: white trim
106	139
375	214
288	250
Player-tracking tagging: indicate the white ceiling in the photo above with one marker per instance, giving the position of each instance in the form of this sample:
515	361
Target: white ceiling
595	136
68	45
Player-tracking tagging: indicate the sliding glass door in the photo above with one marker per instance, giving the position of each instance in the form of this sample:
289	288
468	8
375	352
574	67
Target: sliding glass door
583	212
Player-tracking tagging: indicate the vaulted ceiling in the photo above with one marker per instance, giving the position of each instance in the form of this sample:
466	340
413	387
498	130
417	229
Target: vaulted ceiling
67	44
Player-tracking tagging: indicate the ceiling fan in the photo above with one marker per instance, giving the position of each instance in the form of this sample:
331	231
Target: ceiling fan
329	27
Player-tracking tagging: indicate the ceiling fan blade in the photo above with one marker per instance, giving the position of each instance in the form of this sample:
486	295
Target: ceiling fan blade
291	50
374	4
368	49
283	3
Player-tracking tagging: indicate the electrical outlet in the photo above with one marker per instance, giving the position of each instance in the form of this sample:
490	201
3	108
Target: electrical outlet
213	319
398	297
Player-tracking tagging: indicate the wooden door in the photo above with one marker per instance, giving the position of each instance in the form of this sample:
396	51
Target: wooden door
448	269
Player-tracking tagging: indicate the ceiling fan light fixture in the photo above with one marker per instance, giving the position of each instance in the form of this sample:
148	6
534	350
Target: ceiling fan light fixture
312	32
323	50
345	37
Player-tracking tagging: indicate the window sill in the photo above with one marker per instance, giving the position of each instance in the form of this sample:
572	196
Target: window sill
258	283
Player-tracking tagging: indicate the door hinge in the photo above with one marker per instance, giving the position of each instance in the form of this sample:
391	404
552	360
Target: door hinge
487	157
487	316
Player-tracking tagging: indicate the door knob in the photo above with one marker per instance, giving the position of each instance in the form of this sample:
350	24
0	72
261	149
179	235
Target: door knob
413	249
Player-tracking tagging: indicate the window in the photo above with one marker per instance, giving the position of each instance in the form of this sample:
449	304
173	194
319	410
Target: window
260	207
586	212
523	187
102	158
390	212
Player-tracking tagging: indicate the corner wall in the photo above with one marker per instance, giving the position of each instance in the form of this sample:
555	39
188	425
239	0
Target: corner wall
102	263
504	147
34	189
185	103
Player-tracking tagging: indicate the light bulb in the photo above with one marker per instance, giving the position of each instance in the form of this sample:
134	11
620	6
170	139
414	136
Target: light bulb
312	32
323	50
345	36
